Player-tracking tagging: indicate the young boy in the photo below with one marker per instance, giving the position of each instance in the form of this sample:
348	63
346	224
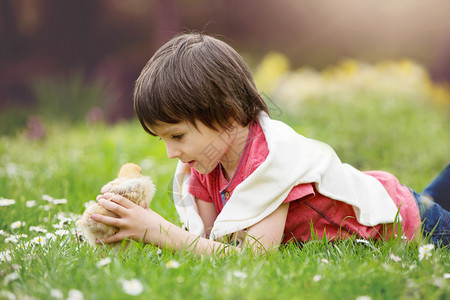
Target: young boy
250	174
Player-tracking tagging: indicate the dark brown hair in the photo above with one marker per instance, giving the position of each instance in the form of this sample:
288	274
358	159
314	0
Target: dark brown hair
196	77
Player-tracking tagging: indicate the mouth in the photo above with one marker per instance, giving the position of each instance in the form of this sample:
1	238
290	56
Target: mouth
190	163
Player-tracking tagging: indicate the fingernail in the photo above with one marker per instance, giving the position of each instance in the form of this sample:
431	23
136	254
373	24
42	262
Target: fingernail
101	201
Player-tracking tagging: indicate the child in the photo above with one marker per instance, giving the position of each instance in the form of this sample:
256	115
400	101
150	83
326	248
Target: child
245	176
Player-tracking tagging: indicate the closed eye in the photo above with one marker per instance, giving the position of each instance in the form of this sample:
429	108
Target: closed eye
177	137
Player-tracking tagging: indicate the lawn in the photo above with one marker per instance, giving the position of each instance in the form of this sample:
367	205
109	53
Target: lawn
48	181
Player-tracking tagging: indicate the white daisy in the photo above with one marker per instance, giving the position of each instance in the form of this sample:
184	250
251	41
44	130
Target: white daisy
64	220
62	232
7	202
50	236
37	229
57	226
324	260
45	207
47	198
31	203
103	262
132	287
395	257
3	233
17	224
5	255
317	278
172	264
240	274
425	251
39	240
75	295
56	294
59	201
12	239
23	245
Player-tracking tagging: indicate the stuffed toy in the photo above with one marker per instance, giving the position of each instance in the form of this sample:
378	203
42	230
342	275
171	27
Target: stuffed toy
129	183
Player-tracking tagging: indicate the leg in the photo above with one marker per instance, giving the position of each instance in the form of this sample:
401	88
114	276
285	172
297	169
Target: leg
435	218
439	188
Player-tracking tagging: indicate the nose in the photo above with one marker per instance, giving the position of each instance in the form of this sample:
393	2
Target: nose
172	152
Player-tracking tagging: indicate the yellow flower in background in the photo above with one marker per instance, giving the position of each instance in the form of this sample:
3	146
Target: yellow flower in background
439	93
402	77
269	71
347	68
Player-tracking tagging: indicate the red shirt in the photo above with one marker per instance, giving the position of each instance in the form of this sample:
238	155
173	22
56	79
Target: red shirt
329	217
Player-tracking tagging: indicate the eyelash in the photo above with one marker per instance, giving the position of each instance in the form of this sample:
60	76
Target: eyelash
177	137
174	137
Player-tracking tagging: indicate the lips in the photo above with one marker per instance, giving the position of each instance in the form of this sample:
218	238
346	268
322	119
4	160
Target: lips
190	163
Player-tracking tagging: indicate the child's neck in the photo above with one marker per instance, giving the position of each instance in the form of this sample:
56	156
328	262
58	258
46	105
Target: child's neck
237	139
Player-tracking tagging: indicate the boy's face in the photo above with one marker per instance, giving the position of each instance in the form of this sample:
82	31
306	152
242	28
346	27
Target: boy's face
202	148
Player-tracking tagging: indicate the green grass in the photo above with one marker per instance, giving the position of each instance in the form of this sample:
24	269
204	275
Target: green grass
407	137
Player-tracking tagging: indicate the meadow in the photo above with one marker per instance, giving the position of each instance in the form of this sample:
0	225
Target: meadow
398	123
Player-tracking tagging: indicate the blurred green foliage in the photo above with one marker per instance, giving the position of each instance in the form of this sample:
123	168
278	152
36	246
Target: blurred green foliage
66	99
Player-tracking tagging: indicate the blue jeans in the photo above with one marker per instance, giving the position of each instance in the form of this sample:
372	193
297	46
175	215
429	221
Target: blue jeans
435	219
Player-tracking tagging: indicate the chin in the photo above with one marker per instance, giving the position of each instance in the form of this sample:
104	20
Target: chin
205	169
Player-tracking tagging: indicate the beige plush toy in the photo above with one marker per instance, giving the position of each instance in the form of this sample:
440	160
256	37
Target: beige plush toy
131	184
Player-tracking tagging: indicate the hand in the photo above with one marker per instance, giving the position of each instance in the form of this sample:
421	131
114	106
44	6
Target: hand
134	222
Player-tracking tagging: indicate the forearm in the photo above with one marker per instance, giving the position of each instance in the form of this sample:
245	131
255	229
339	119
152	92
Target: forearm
261	237
175	238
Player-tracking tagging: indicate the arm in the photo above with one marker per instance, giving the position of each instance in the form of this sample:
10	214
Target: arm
143	224
207	212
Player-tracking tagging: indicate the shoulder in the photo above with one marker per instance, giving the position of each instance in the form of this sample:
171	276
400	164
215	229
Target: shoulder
257	149
385	178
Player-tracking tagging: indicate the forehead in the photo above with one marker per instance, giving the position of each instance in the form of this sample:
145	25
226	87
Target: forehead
162	128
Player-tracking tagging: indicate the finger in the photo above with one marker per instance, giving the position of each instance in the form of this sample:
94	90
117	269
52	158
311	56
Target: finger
104	190
112	206
111	239
107	220
121	200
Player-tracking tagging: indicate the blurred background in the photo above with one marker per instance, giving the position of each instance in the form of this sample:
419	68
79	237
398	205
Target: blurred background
78	60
